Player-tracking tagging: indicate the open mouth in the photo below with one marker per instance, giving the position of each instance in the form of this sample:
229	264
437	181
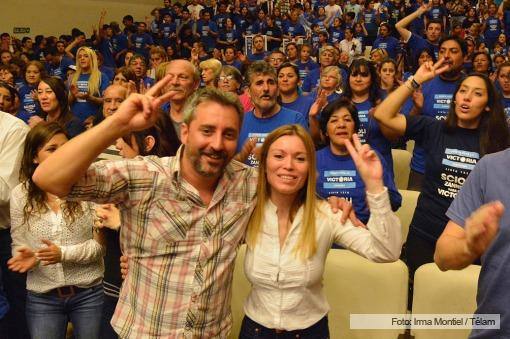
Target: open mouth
464	108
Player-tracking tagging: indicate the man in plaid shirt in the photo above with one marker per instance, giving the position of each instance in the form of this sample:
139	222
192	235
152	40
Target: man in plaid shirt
183	217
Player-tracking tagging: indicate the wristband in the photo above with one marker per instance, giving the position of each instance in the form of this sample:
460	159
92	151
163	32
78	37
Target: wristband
415	85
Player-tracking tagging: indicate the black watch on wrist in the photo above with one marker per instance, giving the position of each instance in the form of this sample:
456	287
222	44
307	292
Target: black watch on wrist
414	83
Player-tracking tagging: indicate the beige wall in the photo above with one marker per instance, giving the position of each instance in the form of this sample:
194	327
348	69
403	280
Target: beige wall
55	17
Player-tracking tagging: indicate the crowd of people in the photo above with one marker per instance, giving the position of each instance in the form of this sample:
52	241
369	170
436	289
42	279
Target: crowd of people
172	140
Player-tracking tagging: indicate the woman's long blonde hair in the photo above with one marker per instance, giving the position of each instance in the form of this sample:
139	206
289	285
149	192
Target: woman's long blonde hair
95	74
307	243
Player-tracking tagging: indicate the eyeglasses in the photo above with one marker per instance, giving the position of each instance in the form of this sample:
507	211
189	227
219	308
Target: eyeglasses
226	77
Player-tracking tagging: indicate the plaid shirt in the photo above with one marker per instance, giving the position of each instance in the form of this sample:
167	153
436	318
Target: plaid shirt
181	252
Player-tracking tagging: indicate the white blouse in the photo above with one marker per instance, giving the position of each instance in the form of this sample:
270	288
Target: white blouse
82	256
287	291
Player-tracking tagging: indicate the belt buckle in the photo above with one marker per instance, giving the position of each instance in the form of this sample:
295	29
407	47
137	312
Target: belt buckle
62	291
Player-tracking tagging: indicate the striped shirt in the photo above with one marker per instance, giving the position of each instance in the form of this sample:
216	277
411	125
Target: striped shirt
181	252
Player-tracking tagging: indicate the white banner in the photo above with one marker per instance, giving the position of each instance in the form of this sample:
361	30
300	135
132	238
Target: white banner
424	321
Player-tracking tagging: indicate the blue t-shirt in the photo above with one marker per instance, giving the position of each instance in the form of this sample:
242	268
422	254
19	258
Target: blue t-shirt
293	30
167	29
312	80
236	63
338	176
60	70
219	19
28	105
106	49
141	43
451	155
506	21
369	132
336	35
257	56
306	67
259	128
370	21
81	108
390	44
437	13
228	35
418	44
207	39
274	32
119	42
493	29
302	105
489	181
437	95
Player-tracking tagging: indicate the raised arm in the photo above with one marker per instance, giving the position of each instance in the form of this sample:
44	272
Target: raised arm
382	241
459	247
401	26
71	161
387	112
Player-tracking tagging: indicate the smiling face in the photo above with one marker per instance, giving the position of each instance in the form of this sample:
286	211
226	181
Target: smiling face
210	139
287	167
470	101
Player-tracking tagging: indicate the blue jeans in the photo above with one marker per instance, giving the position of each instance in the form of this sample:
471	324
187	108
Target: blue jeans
13	325
107	331
48	314
253	330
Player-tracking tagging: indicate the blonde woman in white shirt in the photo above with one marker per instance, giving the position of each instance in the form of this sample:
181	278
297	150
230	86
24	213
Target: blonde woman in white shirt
53	240
291	232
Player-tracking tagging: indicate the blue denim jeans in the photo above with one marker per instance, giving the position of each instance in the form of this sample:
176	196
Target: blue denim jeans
253	330
48	314
107	331
13	325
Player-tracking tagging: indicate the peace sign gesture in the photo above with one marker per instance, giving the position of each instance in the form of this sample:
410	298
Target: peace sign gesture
368	164
428	70
140	111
